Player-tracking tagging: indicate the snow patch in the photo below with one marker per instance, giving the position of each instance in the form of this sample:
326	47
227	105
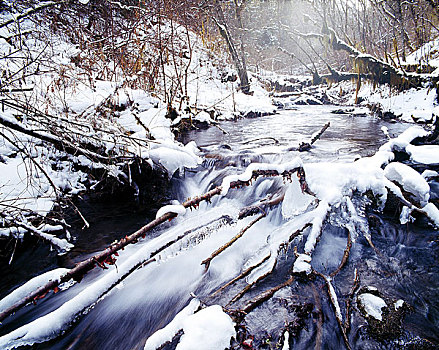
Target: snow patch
209	329
173	208
30	286
372	305
410	180
302	264
167	333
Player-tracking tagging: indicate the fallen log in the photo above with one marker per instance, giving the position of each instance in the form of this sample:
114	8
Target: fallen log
106	256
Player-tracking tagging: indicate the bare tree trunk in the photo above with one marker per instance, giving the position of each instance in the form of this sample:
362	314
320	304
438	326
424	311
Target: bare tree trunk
219	20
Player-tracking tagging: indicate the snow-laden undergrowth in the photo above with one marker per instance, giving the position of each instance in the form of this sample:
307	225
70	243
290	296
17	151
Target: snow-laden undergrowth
60	123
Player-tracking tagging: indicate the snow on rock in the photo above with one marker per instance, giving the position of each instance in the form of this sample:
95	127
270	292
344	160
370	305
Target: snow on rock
402	141
399	303
177	209
432	212
425	154
203	117
209	329
302	264
405	215
295	201
30	286
174	157
410	180
167	333
429	174
372	305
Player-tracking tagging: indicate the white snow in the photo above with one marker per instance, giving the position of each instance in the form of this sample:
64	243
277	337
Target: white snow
372	305
405	217
320	215
334	298
167	333
209	329
286	341
302	264
410	180
409	105
432	212
173	208
295	201
429	174
30	286
425	154
399	303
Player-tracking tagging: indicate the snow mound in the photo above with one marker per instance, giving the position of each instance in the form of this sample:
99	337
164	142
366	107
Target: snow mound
410	180
167	333
372	305
425	154
209	329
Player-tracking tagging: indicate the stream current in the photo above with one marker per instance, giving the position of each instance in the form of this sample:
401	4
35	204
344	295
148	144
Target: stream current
151	296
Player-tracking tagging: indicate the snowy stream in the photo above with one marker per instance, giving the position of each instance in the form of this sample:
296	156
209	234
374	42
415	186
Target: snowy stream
150	297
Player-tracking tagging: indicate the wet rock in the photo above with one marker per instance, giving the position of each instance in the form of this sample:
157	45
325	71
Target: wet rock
342	111
384	315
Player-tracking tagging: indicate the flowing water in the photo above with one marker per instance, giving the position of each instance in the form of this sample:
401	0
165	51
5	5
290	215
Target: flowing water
405	267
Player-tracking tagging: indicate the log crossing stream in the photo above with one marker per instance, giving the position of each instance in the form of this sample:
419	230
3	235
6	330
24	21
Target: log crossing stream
148	298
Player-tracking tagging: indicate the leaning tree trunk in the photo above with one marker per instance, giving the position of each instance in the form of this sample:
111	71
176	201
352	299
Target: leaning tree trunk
219	20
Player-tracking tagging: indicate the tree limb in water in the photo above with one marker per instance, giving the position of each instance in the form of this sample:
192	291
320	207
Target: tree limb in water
264	296
106	256
260	278
206	262
262	206
305	146
347	322
243	274
334	302
345	258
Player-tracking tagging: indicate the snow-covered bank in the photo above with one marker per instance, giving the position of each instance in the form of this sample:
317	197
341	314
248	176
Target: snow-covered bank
89	128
